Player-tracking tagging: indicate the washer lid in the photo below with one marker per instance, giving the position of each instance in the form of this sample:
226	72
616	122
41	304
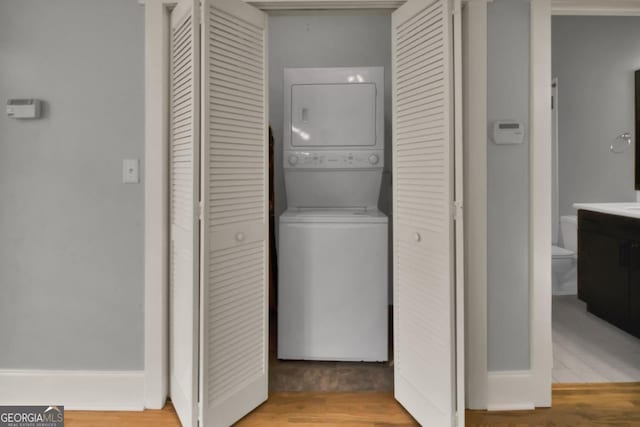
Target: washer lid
361	216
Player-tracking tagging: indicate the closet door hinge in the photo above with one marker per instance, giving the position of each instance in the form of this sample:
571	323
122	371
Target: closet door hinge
457	210
200	210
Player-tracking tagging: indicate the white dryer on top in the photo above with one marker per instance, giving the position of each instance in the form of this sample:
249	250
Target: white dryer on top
333	142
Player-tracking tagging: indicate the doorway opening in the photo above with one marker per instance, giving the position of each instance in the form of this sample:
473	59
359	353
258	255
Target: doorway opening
219	205
594	329
330	41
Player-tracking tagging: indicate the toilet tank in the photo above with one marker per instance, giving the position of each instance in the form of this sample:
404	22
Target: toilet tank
569	232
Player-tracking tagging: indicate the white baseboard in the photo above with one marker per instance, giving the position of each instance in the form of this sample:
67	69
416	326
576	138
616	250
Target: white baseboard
80	390
510	391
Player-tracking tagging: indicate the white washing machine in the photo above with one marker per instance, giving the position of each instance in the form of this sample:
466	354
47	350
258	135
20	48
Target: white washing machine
333	240
333	285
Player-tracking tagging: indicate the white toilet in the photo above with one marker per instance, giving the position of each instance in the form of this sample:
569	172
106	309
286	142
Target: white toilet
564	266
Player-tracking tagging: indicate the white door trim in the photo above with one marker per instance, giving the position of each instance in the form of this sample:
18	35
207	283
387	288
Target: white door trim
474	68
540	170
596	7
156	373
325	4
156	202
458	197
540	203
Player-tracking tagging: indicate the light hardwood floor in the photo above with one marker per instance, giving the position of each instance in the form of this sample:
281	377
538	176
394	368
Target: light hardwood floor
573	405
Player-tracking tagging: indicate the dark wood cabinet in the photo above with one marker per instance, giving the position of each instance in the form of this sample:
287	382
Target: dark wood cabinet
609	268
634	289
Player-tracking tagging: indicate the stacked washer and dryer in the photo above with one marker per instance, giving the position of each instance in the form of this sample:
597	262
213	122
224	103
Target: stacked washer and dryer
333	240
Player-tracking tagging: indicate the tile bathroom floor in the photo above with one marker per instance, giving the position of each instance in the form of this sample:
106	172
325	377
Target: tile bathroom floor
587	349
312	376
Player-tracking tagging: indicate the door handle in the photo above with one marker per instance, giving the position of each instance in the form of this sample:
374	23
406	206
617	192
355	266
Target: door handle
417	237
305	115
239	236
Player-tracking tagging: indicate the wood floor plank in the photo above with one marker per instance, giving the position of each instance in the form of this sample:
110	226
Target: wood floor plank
165	417
573	405
327	409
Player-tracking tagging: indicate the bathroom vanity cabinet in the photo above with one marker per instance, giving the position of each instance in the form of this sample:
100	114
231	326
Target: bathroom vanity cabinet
609	267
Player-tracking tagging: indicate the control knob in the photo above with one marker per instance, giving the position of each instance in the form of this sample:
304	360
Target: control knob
374	159
293	160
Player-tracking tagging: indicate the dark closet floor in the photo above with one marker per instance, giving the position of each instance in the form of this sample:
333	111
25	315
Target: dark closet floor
286	375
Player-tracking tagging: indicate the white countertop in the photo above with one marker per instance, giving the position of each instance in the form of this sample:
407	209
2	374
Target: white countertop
630	209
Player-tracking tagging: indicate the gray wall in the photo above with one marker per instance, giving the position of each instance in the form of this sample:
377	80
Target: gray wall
71	234
508	188
326	39
594	59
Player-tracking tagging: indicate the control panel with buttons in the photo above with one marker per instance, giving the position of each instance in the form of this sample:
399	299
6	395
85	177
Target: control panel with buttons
333	159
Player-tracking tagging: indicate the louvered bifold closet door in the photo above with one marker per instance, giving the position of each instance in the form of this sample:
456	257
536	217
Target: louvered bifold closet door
184	166
423	217
235	225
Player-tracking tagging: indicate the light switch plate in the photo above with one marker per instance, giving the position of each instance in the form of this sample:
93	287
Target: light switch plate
130	171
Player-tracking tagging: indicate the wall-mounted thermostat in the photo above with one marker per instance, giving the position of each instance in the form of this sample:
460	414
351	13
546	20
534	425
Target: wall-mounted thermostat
508	132
24	108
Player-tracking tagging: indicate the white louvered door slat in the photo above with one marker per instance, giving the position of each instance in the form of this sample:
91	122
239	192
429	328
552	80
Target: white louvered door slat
424	268
234	328
184	161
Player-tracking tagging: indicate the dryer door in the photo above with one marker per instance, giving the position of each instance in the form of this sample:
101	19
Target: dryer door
333	115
